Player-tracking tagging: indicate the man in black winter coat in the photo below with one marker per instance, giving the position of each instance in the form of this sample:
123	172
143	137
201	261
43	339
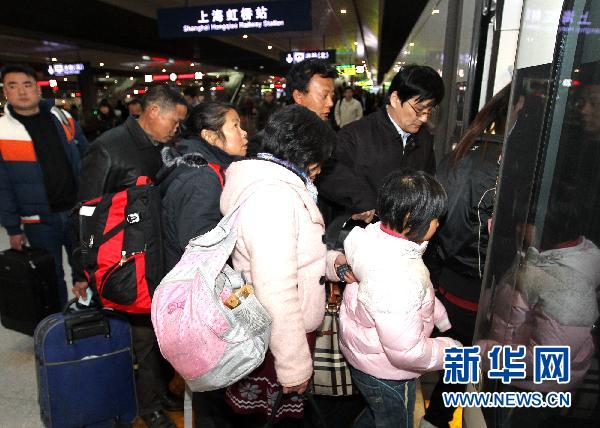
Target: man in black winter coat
386	140
113	162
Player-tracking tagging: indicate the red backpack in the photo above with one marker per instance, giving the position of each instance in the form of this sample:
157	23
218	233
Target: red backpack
122	246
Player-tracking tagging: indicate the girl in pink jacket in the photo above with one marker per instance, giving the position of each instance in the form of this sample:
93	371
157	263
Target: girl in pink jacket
387	317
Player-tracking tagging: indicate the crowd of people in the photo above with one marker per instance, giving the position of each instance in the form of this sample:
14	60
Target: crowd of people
297	173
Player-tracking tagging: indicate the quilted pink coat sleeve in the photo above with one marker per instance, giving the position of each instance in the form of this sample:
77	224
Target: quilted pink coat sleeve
402	335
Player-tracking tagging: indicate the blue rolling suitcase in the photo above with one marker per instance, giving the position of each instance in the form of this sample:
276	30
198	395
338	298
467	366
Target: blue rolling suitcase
84	365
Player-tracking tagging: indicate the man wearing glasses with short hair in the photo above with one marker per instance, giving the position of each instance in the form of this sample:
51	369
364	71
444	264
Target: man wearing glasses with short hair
391	138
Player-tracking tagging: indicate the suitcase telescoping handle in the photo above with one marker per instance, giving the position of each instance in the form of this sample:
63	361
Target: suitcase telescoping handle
85	323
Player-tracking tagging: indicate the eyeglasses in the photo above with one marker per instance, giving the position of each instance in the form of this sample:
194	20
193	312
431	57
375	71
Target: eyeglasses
425	112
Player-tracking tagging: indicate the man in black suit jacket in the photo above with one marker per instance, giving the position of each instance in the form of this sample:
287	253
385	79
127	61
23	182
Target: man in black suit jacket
391	138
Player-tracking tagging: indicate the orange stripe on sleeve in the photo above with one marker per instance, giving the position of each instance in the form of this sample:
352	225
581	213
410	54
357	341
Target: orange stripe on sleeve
17	151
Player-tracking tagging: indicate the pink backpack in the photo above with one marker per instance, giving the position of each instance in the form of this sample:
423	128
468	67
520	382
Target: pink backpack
209	344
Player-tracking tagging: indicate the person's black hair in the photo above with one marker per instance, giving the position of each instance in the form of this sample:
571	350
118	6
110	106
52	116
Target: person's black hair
191	91
300	74
134	102
298	135
409	201
104	103
418	81
18	68
165	96
210	116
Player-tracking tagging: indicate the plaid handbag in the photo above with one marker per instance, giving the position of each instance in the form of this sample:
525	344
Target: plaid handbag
332	373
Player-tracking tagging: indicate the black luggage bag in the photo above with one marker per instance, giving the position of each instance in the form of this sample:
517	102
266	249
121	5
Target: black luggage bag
28	289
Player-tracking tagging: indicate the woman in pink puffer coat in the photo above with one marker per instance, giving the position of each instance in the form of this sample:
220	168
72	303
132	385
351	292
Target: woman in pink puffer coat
280	251
387	317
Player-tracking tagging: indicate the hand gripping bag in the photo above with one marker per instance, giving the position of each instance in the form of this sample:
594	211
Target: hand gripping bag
209	344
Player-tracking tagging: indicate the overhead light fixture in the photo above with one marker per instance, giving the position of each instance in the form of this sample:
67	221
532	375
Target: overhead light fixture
236	67
192	64
137	67
172	77
116	81
261	67
170	60
269	47
355	43
164	70
101	64
245	36
343	11
131	78
411	44
107	76
147	78
198	75
435	11
54	59
53	83
66	79
201	88
146	58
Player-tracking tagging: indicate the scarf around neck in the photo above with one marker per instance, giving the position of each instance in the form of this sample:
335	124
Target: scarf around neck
310	186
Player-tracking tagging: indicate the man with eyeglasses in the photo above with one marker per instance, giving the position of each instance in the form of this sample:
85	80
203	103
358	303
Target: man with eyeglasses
391	138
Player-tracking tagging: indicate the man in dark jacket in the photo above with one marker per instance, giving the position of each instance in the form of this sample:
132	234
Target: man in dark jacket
389	139
309	83
40	149
114	162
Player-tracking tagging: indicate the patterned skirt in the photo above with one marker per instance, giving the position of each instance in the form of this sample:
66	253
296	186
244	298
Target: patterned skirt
257	392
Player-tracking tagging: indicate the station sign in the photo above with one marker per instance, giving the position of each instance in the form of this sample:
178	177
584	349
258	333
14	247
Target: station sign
294	57
58	69
258	17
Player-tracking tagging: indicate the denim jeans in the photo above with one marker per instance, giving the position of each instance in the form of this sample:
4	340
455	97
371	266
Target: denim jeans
54	232
390	403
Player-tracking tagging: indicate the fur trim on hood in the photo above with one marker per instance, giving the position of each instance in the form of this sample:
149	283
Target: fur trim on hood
172	158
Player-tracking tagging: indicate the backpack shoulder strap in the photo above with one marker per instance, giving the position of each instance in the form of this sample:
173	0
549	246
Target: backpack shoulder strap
219	171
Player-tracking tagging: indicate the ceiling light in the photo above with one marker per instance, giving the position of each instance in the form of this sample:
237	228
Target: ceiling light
245	36
116	81
131	78
101	64
172	77
355	43
435	11
198	75
164	70
201	88
343	11
411	44
269	47
146	58
54	59
65	79
236	67
107	76
137	67
147	78
192	64
261	67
